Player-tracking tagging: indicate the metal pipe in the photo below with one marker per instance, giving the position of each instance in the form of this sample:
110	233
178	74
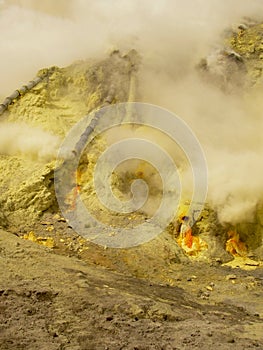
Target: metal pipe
17	93
31	84
37	80
14	95
23	89
94	121
2	108
107	101
7	101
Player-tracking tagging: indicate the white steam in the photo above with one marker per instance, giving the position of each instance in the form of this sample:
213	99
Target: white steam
171	36
37	34
24	140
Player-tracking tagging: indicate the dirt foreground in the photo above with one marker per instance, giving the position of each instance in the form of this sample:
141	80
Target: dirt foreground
50	301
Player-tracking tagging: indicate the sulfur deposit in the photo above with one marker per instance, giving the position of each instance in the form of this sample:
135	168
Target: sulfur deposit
44	111
236	68
43	114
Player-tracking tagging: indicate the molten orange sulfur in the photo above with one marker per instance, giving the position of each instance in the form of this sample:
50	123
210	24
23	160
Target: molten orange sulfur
234	246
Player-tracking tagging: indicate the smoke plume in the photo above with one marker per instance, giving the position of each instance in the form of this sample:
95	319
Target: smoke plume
171	36
24	140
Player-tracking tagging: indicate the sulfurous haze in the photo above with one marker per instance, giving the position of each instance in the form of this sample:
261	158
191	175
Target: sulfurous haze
171	36
31	142
36	34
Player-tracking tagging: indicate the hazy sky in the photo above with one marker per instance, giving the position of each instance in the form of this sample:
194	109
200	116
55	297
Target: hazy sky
36	33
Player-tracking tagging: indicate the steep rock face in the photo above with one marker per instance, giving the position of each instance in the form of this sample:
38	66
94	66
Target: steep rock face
237	68
65	95
54	104
248	43
26	191
239	62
